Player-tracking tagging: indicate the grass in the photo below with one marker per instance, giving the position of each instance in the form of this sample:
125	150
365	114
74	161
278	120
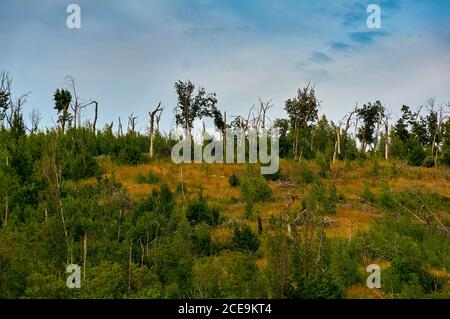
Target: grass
352	216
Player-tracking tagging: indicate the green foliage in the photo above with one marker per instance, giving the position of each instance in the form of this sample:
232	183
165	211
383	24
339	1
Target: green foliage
254	187
321	199
149	178
233	180
244	239
202	242
367	195
198	211
307	175
324	166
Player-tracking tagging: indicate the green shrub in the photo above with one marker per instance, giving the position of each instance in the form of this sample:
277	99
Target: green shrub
321	199
367	195
244	239
202	240
307	176
198	211
254	187
233	180
78	168
324	166
149	178
416	154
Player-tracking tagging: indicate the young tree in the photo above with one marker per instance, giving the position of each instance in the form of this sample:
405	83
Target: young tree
370	115
62	100
5	95
302	110
192	107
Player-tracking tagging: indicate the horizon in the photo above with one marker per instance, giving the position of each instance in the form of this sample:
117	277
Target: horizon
128	56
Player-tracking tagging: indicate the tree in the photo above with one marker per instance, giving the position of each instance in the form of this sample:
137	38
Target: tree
371	115
74	102
302	110
152	114
192	107
35	118
62	100
5	94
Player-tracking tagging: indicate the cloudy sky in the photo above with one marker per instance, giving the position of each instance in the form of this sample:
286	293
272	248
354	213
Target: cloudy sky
128	54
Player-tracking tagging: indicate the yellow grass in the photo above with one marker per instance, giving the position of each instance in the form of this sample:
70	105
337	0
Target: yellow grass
352	214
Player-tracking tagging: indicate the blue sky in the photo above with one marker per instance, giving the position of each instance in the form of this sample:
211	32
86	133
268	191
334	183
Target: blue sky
128	54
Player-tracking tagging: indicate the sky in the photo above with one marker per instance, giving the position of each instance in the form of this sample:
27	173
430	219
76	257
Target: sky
127	55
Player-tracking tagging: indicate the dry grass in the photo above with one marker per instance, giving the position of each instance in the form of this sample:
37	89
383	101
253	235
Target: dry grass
352	214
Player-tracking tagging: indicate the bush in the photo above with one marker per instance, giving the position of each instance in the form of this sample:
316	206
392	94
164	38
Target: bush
367	194
324	166
202	241
244	239
79	168
130	155
254	187
233	180
446	158
149	178
198	211
273	177
417	155
321	199
307	176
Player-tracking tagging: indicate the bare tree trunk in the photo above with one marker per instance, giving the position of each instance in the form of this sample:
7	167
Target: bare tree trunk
84	255
225	136
129	265
63	122
182	184
260	227
152	125
95	118
319	249
142	252
335	151
119	128
339	141
386	140
118	225
6	210
152	120
75	111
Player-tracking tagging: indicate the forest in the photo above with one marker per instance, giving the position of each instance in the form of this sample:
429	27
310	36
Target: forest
370	188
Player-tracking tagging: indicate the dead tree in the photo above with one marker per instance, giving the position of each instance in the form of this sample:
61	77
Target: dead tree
158	119
95	117
74	104
132	123
94	124
109	127
35	119
152	114
119	128
348	123
263	108
387	117
442	117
